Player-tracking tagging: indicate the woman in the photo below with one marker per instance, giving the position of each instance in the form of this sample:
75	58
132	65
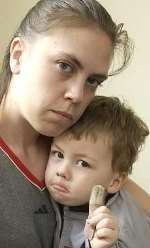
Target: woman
59	55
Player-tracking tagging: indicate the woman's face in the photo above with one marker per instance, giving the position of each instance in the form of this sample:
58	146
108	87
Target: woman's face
57	76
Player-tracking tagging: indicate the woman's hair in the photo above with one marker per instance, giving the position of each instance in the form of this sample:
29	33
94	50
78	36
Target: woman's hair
48	14
124	130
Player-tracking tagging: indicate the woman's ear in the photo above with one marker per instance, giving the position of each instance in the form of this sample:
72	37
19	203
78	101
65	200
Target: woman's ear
116	182
16	50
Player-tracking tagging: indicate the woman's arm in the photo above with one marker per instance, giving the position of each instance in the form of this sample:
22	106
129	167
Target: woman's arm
140	195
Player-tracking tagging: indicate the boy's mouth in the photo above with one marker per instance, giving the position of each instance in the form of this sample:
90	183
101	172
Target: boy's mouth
60	187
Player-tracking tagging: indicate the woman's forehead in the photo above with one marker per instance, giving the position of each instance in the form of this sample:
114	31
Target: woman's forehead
88	47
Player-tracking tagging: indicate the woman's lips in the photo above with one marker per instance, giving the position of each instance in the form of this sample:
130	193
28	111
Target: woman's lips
64	114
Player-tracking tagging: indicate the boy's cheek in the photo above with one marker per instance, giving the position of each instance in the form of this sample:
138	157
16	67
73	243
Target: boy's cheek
47	177
47	183
48	168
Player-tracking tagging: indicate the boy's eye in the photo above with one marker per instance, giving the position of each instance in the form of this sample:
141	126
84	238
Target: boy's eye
65	67
83	163
57	154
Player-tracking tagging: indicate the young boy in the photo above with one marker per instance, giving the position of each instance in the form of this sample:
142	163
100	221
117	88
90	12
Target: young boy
100	148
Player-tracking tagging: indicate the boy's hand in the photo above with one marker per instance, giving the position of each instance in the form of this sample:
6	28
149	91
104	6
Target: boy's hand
101	227
105	228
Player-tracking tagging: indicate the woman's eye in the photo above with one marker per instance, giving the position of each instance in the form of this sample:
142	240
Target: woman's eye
65	67
93	82
83	163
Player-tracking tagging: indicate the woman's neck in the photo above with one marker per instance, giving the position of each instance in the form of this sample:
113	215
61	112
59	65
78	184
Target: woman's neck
15	130
28	145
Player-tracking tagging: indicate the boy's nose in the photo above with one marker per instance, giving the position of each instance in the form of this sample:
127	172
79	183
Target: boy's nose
64	172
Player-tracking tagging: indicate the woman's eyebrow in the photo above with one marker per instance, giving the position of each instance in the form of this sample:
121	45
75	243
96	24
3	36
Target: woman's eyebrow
73	59
100	77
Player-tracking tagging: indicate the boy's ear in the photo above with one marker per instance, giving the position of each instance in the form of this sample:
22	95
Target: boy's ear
116	182
16	50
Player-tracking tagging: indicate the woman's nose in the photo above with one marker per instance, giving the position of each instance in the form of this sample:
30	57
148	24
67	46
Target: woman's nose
75	91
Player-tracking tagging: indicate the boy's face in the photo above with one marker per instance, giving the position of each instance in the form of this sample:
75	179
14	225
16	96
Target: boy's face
75	166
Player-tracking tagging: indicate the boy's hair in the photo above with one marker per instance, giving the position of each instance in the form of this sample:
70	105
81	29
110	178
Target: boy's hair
48	14
125	130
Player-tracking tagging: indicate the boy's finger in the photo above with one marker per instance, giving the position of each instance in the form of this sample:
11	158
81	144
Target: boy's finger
96	200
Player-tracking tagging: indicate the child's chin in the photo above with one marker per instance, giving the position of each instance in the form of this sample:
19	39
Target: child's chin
65	202
61	200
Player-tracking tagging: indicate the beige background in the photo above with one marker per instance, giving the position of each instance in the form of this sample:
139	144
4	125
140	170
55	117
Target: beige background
133	84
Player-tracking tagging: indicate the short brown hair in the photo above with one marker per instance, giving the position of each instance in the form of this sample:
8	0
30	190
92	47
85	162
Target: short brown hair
125	129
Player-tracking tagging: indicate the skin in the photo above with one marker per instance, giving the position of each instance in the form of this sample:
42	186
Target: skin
58	82
74	167
54	78
73	163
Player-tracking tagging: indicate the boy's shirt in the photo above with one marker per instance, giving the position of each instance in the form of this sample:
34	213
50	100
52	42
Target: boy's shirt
134	224
73	228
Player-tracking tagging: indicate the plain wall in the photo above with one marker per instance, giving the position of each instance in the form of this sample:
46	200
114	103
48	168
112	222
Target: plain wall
133	84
